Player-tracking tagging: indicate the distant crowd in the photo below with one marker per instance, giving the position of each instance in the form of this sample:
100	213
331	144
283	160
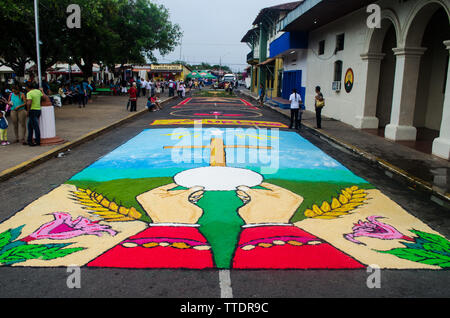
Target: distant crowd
20	103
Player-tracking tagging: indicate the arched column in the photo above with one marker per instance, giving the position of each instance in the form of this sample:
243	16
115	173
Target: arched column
368	118
441	145
404	97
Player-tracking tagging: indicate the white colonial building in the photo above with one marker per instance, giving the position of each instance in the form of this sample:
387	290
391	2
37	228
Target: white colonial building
398	72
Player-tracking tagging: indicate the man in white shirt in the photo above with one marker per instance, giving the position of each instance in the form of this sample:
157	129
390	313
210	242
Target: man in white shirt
296	112
149	87
144	87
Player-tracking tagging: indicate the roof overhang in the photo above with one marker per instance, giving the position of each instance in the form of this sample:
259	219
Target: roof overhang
275	10
268	61
250	34
312	14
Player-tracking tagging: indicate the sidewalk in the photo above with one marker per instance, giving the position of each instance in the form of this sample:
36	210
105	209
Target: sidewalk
73	124
426	171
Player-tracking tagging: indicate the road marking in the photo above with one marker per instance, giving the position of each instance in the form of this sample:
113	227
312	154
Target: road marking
225	284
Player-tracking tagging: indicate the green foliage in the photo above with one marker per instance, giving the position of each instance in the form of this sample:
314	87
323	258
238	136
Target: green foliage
428	248
12	251
112	31
26	252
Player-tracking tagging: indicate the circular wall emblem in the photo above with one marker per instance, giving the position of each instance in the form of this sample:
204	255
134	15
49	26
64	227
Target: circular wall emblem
349	80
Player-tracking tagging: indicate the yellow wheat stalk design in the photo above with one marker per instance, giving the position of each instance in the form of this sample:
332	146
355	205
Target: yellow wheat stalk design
106	209
348	200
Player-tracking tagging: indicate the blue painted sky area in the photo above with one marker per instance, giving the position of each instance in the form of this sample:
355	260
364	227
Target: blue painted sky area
273	153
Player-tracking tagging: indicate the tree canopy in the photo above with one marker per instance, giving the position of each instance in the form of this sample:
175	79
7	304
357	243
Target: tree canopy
204	66
112	32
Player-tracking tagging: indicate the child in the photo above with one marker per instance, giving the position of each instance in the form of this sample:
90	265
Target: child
3	129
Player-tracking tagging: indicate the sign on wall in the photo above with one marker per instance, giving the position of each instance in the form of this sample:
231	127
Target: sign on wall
349	80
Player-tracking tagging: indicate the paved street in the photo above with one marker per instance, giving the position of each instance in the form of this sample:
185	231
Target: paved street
293	234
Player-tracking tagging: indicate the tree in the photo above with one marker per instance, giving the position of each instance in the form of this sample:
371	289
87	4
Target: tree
143	27
112	31
17	19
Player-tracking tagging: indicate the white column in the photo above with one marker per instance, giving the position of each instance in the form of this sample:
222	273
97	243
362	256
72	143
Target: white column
441	145
47	122
405	90
368	119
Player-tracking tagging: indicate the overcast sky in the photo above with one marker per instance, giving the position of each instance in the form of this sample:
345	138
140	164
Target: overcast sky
213	29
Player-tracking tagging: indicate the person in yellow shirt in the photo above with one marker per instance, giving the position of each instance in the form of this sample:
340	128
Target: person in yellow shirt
34	98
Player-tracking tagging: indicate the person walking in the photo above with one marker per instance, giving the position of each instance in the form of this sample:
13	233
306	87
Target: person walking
133	97
296	112
319	105
34	97
18	104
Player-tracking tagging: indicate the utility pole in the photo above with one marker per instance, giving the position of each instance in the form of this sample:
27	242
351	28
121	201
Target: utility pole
38	49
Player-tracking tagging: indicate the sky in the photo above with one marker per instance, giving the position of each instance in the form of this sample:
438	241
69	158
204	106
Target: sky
213	29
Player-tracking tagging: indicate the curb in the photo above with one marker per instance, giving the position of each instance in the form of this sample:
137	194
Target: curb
424	186
26	165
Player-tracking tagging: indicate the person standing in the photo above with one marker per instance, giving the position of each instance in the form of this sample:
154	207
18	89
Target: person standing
262	94
34	97
296	115
124	89
319	105
138	87
170	88
80	94
158	89
133	97
144	87
3	129
183	90
18	104
87	88
149	88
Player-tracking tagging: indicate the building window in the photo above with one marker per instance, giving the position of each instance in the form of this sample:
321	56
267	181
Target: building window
338	71
322	47
340	39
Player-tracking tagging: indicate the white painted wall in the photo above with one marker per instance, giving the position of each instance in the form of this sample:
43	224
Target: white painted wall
320	69
339	105
297	61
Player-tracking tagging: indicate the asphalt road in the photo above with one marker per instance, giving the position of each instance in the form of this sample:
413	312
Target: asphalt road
20	191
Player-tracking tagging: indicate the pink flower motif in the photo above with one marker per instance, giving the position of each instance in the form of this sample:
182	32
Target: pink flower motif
63	228
375	229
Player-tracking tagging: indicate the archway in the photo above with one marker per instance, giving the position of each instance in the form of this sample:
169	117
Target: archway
380	63
428	27
432	80
387	75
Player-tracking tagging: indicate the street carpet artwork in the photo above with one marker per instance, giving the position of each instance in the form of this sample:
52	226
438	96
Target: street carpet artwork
202	198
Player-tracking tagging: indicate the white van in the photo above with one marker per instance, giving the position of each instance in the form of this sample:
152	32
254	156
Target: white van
229	78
